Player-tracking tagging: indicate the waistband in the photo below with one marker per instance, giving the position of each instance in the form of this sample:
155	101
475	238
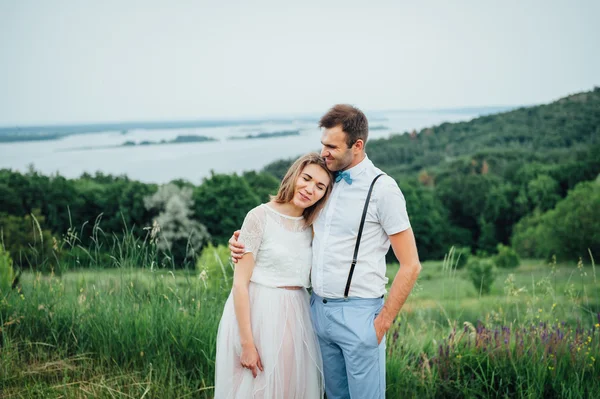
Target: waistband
276	287
350	300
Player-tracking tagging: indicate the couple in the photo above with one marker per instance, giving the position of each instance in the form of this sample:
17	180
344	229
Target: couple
334	218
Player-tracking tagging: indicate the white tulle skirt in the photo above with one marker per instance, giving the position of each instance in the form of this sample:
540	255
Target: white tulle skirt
286	343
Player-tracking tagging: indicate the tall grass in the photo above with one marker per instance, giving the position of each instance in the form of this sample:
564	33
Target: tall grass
142	329
130	322
536	335
137	328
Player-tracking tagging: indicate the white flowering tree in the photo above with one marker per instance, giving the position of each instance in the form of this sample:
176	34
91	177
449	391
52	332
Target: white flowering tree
179	234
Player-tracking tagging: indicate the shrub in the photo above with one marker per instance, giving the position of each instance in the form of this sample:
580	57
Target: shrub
7	274
29	244
482	274
506	258
215	267
459	257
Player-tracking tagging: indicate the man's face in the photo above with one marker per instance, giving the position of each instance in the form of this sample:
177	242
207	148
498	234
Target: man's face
335	149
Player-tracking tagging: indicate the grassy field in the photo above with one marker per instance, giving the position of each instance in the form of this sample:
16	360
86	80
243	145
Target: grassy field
140	332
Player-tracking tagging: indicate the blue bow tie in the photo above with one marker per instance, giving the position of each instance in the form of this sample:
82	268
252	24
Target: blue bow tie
343	175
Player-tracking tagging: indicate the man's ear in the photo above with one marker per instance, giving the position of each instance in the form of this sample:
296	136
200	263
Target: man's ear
359	145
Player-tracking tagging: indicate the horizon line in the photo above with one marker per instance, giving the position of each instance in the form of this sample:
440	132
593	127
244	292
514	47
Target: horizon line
242	119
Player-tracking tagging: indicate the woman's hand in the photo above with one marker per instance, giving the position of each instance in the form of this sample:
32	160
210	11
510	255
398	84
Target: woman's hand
250	359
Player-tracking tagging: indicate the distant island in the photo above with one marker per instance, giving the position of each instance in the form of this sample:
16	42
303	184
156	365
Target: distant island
9	134
379	127
267	135
131	143
30	137
177	140
16	133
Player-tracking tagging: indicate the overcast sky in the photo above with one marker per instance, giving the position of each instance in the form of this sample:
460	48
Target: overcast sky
104	61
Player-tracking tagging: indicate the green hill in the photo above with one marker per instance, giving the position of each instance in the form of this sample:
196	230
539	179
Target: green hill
469	183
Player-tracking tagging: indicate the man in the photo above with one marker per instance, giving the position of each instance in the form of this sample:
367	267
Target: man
349	313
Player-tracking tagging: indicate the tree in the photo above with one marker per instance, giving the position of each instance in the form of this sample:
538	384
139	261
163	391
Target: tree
543	192
487	241
26	189
279	168
10	201
429	220
59	196
567	231
132	206
466	197
180	235
573	223
28	242
529	238
263	184
221	204
501	212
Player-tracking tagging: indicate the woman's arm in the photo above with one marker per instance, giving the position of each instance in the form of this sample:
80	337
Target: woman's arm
241	300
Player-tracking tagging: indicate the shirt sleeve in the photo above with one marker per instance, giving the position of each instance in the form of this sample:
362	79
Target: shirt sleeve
252	231
391	207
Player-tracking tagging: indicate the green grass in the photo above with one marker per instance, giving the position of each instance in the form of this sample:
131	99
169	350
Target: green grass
432	350
563	290
136	329
136	332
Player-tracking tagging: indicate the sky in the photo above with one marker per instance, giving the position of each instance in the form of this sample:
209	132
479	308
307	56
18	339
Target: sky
114	61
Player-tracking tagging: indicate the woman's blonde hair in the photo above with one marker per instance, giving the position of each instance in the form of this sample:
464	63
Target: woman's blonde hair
287	188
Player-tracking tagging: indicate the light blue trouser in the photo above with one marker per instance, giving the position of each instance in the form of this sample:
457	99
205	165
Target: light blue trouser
353	362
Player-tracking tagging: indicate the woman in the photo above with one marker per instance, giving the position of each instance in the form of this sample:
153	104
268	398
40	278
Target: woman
266	346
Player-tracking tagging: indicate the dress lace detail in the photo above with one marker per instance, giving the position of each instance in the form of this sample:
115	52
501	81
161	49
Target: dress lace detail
252	230
281	246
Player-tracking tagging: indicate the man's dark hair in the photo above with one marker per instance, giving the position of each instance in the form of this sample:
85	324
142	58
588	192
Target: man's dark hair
354	123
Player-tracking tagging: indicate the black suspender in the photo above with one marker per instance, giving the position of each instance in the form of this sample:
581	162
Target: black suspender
360	230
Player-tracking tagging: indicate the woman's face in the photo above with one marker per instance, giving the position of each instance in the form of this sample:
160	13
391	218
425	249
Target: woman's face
311	186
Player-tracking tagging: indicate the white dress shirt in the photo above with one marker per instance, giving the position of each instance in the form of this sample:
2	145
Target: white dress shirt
336	229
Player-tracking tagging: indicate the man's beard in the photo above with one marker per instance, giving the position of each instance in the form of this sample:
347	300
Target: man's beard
343	163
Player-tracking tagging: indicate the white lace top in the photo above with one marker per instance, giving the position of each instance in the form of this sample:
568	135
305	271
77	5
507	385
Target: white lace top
281	246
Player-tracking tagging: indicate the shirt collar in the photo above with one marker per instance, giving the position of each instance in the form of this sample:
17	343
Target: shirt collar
359	168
